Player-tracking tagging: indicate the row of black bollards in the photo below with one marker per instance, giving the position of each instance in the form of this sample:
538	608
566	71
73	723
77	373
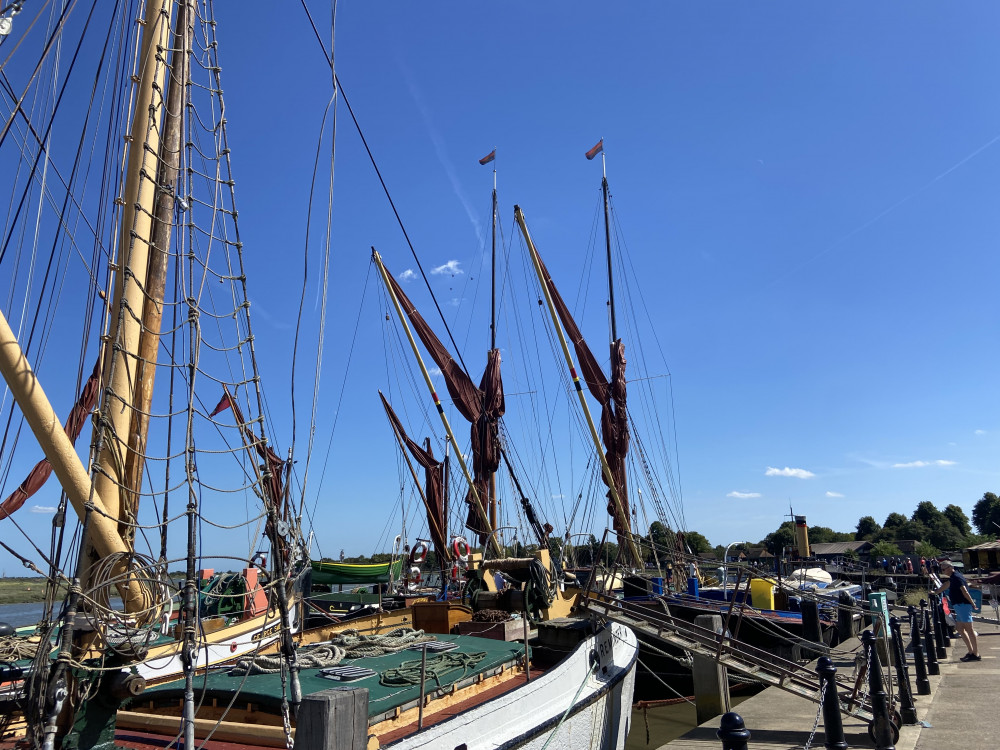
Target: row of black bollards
927	629
916	643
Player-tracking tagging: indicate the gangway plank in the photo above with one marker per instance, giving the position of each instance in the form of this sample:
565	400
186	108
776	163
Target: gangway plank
739	657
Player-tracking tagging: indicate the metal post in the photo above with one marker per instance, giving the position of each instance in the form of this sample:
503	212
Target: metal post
733	734
881	726
833	726
906	708
942	625
923	685
932	660
423	676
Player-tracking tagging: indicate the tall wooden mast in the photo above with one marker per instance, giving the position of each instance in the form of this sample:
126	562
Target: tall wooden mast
493	333
620	514
114	438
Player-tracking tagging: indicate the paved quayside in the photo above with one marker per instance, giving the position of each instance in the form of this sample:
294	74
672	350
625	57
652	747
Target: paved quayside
961	709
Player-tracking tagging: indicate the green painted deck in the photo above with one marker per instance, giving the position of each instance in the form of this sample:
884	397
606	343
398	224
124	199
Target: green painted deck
265	689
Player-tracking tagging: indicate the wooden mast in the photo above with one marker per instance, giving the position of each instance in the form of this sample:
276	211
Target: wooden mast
437	402
620	514
493	335
166	192
135	239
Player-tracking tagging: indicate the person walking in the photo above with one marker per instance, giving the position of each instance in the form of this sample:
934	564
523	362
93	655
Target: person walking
963	603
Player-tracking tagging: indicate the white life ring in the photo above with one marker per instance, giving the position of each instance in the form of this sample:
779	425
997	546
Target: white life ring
461	548
419	553
415	578
454	572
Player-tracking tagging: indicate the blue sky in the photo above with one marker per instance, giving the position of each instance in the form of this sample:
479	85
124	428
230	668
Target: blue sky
808	193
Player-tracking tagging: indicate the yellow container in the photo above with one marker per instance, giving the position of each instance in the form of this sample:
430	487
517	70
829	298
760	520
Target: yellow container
762	593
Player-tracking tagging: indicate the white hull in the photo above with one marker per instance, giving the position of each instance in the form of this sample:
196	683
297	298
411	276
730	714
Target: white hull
526	717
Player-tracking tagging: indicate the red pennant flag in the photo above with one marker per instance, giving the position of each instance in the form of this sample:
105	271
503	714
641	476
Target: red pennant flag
489	157
223	404
596	149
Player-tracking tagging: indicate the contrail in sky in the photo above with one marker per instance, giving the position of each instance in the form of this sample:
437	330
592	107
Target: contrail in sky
442	154
885	212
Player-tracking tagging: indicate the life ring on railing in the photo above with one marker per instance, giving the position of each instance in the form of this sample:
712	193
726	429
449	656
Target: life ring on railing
259	560
454	572
461	548
413	579
419	553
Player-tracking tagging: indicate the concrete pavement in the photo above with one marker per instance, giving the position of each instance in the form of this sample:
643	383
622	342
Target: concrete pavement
962	710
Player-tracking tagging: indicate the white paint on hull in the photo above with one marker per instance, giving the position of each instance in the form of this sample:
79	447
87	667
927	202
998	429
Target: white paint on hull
526	717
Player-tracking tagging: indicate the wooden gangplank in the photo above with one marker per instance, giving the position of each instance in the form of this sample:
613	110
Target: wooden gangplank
761	665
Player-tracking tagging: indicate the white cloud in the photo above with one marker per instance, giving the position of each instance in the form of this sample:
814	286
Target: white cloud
980	432
434	372
451	267
787	472
921	464
43	509
833	494
742	495
408	275
558	497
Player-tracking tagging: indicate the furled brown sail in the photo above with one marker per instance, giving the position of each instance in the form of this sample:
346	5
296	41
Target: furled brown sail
482	407
433	484
611	395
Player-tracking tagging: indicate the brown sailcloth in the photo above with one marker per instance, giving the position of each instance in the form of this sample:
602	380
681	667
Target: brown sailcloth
273	487
614	412
482	407
43	469
433	483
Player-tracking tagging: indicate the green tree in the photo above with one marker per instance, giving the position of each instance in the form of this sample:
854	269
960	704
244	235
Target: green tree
926	512
867	528
777	540
958	519
944	535
661	536
915	530
885	549
926	549
893	520
697	542
986	515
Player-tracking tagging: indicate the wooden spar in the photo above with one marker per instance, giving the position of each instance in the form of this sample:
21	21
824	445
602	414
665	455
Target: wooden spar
620	514
420	489
132	259
159	251
607	245
493	337
437	402
59	451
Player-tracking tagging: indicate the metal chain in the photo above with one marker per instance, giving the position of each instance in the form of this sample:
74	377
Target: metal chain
286	721
819	712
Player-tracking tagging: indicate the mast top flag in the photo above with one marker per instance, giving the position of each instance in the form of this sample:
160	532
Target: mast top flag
598	148
489	157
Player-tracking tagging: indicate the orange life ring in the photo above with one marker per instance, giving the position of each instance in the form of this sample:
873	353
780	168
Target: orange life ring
461	548
419	553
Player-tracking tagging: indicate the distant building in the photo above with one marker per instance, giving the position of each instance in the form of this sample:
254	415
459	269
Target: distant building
836	550
985	556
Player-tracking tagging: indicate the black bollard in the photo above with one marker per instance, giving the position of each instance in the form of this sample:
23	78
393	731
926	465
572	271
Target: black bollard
923	686
906	708
938	635
833	726
881	728
929	643
733	734
942	624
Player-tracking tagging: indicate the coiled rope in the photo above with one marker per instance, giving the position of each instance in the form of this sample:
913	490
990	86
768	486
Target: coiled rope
349	644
